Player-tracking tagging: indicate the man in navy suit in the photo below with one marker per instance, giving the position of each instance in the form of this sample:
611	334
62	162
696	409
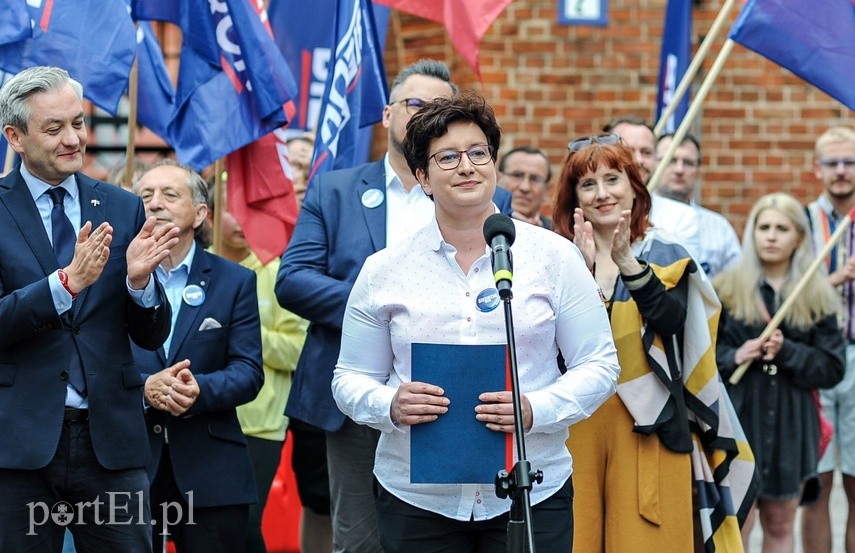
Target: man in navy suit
348	215
200	457
76	257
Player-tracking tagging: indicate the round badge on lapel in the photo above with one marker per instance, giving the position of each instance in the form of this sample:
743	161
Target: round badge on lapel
487	300
372	198
193	295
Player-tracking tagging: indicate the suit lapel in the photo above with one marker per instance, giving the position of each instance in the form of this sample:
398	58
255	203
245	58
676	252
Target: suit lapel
200	273
16	197
374	179
92	208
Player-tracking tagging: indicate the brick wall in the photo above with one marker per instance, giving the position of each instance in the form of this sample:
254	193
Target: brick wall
549	83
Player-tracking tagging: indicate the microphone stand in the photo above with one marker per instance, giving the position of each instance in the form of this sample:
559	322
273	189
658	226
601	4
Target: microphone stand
518	484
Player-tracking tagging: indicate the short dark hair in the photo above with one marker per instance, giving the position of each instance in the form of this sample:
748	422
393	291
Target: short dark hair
526	150
433	119
688	138
629	120
427	68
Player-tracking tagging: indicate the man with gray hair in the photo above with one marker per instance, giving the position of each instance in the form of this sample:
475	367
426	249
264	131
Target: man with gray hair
200	460
348	215
76	258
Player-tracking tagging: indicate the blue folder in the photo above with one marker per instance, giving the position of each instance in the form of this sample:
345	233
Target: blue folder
457	448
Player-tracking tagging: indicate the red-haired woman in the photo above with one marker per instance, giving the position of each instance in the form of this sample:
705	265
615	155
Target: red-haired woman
633	459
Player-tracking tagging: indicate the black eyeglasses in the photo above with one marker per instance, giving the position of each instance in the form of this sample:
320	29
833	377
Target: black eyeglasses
411	104
586	141
448	160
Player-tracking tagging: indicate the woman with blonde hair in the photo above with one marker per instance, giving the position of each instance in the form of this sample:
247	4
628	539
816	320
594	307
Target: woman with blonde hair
774	397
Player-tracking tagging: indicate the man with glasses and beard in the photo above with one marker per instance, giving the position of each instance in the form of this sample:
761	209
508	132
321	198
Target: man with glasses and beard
835	168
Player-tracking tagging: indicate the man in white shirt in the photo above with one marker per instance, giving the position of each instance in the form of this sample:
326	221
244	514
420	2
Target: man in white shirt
719	248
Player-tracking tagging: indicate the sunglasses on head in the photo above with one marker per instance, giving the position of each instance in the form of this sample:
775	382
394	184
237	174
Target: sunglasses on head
584	142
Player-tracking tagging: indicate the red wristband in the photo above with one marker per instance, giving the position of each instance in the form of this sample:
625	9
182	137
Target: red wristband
63	279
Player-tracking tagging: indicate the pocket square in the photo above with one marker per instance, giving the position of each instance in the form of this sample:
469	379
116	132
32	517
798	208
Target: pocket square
209	323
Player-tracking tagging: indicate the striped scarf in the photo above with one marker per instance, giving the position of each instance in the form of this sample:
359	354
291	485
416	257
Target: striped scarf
722	461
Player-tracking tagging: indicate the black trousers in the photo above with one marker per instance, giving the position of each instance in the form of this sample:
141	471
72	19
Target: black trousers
408	529
197	530
265	456
107	511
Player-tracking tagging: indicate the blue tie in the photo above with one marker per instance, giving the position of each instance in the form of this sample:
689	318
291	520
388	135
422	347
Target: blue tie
61	229
63	247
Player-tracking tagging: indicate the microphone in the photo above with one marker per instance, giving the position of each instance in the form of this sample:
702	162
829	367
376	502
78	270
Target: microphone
499	232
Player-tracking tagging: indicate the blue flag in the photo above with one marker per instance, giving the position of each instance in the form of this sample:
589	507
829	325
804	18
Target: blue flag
92	39
355	90
14	21
306	40
233	84
674	60
155	93
815	39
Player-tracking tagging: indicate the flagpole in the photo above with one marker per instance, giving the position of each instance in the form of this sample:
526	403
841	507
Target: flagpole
399	39
130	151
842	228
694	108
219	194
692	70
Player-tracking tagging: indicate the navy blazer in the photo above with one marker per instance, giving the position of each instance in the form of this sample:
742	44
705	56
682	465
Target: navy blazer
35	344
334	235
206	445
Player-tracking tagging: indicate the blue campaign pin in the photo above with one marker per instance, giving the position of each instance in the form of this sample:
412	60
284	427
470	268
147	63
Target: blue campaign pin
487	300
372	198
193	295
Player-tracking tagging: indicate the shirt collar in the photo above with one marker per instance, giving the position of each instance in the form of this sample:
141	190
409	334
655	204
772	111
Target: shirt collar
392	178
37	186
183	265
826	206
437	242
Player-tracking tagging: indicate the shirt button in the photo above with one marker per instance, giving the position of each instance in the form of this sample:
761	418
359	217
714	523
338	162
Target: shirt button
478	501
467	294
468	319
477	269
157	429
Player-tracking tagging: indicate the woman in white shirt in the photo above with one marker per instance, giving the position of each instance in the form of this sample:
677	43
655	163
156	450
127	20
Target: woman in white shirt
437	287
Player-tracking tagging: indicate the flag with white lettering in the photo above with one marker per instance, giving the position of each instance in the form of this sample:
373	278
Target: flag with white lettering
91	39
674	60
233	83
355	91
305	38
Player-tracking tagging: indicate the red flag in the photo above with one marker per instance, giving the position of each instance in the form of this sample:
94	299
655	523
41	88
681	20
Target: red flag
261	195
466	20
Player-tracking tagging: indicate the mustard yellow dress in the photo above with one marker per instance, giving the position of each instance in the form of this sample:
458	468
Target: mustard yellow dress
668	446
